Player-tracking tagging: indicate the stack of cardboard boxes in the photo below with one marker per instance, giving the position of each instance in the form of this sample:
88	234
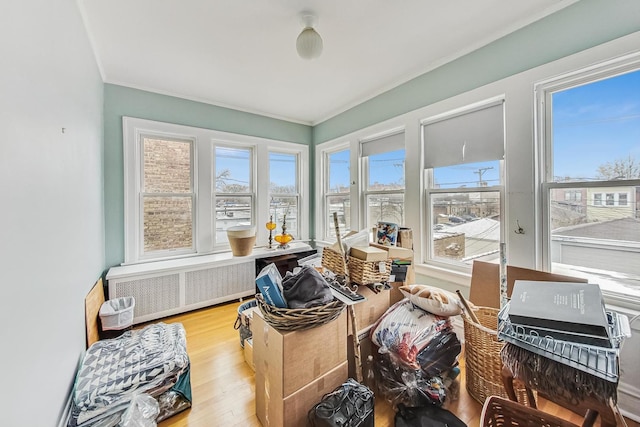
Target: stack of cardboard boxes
376	304
295	369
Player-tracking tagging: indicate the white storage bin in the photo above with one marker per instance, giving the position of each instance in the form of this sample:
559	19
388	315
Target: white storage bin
117	314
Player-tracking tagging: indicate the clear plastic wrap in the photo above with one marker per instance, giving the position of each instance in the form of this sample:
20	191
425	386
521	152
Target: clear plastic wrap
401	384
417	357
406	329
142	412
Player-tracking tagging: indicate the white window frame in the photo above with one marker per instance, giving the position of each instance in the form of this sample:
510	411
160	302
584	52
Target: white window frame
204	142
430	190
543	116
299	180
364	167
251	194
322	209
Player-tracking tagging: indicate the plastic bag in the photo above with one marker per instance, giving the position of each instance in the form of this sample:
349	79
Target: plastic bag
405	330
142	412
441	354
399	383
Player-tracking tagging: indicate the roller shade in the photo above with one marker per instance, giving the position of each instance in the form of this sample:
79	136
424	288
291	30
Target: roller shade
382	145
471	137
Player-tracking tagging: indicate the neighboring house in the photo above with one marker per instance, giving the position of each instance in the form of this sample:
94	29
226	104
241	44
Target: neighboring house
607	203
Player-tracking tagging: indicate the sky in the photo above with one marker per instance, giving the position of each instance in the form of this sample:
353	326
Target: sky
594	124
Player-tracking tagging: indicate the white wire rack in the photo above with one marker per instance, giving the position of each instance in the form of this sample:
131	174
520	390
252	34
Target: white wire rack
599	361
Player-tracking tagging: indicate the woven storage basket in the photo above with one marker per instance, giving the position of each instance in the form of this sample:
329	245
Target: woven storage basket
296	319
499	412
360	272
483	365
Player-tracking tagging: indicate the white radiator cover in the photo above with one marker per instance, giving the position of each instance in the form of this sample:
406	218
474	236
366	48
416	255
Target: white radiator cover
165	288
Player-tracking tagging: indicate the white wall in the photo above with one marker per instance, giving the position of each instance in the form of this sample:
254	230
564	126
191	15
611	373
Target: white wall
51	203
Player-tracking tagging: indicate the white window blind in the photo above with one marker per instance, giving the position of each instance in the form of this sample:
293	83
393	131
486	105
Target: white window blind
470	137
383	144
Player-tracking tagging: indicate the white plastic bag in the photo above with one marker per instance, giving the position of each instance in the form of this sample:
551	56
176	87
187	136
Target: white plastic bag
142	412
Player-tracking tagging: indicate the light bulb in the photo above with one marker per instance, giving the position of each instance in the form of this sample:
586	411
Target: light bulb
309	44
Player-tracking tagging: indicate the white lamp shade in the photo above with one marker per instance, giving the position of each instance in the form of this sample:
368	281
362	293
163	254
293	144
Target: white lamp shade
309	44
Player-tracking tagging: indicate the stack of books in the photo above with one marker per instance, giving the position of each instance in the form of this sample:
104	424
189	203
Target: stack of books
566	322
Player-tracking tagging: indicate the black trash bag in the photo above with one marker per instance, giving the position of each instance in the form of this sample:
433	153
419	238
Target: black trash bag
305	289
350	405
426	416
401	384
441	354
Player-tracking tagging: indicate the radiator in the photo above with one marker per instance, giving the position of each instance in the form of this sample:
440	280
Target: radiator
160	294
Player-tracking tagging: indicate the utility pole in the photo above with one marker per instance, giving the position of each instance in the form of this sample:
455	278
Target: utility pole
480	172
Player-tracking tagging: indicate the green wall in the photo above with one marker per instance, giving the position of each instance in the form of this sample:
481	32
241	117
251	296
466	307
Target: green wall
580	26
122	101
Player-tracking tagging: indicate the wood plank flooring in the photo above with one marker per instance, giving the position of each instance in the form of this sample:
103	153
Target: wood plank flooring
223	385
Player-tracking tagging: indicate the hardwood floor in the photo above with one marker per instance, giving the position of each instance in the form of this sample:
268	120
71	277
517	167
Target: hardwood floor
223	385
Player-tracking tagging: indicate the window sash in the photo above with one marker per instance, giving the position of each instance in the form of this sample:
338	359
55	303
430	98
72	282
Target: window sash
453	261
581	248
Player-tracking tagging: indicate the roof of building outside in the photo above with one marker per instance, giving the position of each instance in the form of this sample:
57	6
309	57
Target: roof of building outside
627	229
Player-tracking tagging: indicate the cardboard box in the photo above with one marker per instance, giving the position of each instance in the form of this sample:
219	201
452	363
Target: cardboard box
368	253
291	360
248	353
405	238
369	311
396	252
275	410
394	294
485	281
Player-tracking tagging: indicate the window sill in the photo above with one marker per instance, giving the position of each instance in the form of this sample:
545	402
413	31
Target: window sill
458	278
210	260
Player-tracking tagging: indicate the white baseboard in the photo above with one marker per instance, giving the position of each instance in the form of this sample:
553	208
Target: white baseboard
629	401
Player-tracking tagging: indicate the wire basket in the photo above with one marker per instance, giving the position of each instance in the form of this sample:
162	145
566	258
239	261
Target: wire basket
360	272
499	412
483	364
296	319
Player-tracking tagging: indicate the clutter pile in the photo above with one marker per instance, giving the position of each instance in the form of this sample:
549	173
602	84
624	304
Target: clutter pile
302	300
564	330
417	357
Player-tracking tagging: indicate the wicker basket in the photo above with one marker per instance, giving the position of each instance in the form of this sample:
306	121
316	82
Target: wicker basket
360	272
499	412
483	365
296	319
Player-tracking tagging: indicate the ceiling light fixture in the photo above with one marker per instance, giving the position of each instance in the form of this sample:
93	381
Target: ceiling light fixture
309	42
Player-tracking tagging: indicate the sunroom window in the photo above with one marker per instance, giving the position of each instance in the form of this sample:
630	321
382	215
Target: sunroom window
463	154
590	135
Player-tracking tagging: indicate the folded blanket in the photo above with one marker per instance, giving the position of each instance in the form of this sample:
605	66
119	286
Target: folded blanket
307	288
138	361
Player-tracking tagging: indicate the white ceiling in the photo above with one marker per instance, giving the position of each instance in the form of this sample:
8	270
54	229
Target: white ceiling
241	53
